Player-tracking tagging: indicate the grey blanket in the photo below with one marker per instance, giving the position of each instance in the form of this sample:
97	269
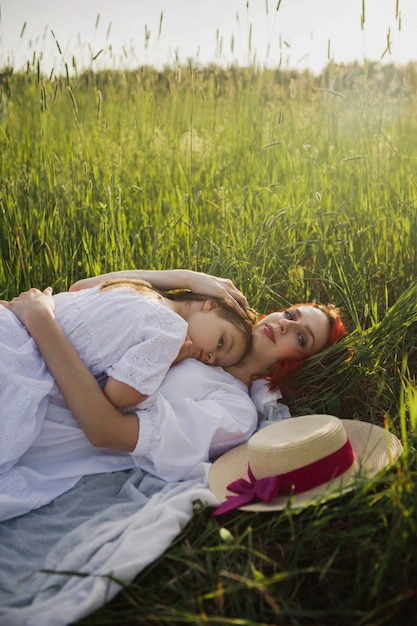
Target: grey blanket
107	528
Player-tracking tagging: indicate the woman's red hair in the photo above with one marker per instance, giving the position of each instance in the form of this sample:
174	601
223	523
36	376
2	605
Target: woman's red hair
282	371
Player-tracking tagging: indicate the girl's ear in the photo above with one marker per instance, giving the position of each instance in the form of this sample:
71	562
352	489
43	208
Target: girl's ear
209	305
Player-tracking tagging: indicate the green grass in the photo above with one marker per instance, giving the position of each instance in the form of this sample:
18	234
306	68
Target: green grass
348	562
297	187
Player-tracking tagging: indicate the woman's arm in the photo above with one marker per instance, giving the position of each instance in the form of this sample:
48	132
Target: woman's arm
102	423
198	282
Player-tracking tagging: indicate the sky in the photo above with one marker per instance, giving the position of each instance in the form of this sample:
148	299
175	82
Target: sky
297	34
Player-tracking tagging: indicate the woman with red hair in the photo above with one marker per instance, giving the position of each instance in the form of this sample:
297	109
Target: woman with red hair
282	371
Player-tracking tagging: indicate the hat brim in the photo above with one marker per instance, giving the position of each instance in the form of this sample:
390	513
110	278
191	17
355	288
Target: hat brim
375	449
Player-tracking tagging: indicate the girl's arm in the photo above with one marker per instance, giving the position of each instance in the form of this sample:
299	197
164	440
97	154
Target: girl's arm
102	423
197	282
122	395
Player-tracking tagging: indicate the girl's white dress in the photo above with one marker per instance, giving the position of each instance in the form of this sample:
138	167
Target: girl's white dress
198	413
116	332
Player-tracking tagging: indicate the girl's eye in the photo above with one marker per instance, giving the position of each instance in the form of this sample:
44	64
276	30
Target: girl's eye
301	341
289	315
221	342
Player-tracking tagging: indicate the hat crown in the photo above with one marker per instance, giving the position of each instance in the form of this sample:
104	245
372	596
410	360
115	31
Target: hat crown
296	443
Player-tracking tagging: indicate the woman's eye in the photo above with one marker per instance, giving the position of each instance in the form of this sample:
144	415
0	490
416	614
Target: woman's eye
289	315
301	341
221	342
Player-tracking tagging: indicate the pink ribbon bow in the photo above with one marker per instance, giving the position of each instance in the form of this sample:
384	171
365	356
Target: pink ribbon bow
264	489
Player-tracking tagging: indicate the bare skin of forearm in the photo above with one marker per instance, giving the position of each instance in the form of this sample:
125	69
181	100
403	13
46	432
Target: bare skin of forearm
122	395
102	423
161	279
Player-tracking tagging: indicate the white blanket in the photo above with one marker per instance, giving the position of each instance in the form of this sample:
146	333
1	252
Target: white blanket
109	526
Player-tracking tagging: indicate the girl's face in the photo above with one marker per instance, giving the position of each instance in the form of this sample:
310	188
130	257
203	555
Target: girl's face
216	341
296	333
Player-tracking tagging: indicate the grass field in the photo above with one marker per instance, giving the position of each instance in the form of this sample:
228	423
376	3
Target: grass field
296	187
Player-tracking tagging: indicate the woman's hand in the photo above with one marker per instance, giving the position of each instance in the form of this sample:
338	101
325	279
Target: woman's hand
32	305
209	285
197	282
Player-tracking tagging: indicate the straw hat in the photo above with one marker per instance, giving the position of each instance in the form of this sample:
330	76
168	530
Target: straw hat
300	460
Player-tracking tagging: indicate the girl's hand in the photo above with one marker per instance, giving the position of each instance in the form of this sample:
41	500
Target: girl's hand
187	351
31	305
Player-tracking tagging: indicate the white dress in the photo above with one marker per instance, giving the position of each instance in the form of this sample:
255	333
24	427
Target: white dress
116	332
199	412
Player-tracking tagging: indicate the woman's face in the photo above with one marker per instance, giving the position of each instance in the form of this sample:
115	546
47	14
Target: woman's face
296	333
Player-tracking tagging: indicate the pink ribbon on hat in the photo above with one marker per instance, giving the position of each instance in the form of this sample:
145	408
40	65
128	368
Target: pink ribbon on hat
295	481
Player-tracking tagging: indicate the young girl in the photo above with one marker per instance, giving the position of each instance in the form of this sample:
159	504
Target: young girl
128	335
